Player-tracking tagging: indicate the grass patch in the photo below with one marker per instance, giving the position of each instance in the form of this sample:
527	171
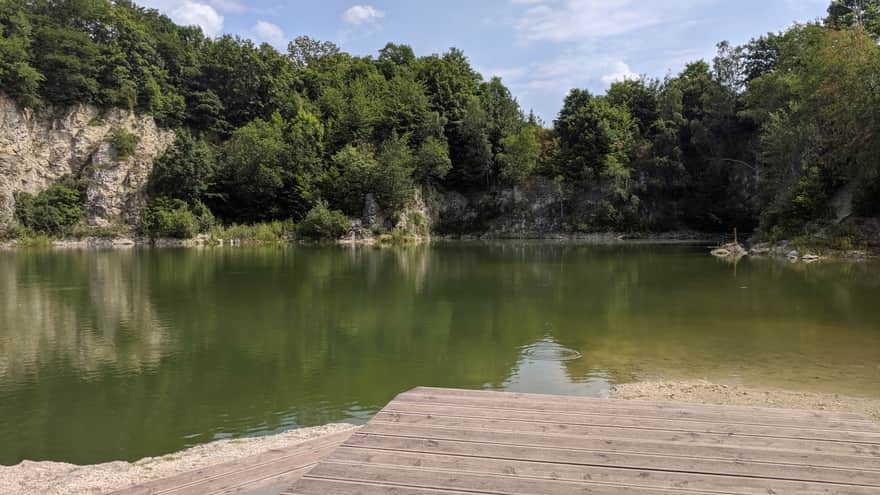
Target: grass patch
29	239
261	233
112	231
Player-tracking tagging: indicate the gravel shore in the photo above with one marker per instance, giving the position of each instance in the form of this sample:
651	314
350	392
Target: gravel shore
703	392
56	478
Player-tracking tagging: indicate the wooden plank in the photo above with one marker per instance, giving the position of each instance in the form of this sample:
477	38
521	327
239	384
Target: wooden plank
274	485
437	441
642	407
251	486
711	414
625	446
483	484
567	472
608	420
599	432
576	457
256	470
308	486
747	410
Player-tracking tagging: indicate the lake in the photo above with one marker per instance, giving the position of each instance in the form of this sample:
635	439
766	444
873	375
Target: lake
122	354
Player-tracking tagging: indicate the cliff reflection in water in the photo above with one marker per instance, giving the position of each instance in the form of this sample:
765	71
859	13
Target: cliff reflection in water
74	309
125	354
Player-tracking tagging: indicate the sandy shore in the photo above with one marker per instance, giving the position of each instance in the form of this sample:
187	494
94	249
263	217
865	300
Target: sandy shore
703	392
56	478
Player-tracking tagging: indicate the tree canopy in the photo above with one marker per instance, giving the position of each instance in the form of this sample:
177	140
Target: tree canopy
762	136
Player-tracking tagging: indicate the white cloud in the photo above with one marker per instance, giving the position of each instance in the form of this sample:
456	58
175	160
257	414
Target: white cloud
573	69
579	20
232	6
360	15
191	13
268	32
620	71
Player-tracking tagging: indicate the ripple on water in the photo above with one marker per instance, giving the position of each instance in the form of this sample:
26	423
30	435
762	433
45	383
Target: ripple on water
548	350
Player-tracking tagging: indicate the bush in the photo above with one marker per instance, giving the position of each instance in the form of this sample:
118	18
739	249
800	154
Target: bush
166	217
52	211
321	223
124	143
204	217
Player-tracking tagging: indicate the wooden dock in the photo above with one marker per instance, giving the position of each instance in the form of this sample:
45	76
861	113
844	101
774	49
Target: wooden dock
456	442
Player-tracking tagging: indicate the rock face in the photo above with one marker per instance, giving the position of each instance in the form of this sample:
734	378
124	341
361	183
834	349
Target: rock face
535	209
37	148
732	250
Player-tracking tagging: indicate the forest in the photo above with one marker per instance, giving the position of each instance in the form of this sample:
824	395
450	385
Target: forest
765	137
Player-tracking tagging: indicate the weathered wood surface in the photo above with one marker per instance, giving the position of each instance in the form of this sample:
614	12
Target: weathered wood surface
269	472
432	441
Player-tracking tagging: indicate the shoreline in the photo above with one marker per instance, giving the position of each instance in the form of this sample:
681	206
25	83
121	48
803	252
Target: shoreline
124	242
56	478
721	251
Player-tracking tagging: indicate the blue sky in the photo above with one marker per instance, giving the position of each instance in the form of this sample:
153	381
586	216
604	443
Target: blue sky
540	48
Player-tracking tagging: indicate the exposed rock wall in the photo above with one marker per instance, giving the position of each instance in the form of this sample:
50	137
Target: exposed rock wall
37	148
535	209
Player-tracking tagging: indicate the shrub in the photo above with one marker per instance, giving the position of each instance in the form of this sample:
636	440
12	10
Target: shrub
124	143
321	223
166	217
204	217
52	211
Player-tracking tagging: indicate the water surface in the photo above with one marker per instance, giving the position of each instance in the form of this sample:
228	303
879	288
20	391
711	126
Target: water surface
130	353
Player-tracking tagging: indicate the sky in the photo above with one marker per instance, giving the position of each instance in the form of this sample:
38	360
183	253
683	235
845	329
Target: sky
540	48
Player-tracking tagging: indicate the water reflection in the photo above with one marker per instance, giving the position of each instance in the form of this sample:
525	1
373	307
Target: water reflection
123	354
76	310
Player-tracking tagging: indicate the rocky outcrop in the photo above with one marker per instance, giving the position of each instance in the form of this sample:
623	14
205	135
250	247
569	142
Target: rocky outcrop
535	209
37	148
732	250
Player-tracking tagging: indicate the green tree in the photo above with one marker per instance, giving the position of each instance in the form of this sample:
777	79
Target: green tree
431	161
304	51
392	180
72	59
849	13
253	171
349	178
186	171
470	148
519	155
18	77
394	59
595	138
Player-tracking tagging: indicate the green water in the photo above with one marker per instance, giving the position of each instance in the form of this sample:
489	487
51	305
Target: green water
124	354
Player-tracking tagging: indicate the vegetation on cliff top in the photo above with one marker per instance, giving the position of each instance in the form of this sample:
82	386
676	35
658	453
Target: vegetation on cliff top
763	136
